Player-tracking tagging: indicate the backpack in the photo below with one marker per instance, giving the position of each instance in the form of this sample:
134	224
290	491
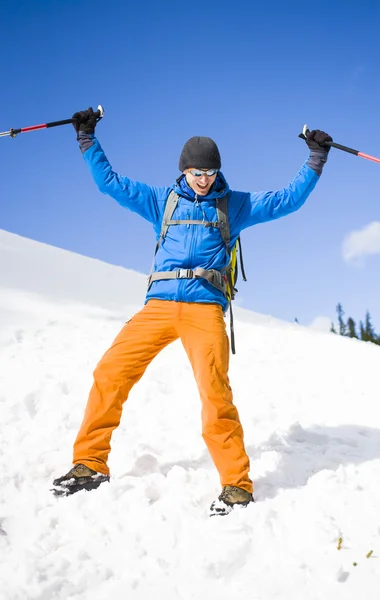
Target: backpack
225	280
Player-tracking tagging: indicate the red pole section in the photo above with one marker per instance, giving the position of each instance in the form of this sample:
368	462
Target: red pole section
369	157
33	128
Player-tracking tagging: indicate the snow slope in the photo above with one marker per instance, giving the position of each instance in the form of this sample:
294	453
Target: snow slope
309	406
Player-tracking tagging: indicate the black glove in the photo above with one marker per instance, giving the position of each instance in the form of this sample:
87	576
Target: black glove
316	140
85	121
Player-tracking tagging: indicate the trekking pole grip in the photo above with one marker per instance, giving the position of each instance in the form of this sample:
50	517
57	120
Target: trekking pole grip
306	130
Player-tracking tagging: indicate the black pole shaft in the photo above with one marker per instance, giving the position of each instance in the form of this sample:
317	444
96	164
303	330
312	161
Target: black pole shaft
340	147
57	123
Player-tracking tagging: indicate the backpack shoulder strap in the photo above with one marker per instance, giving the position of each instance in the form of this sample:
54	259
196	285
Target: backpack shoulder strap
224	224
171	205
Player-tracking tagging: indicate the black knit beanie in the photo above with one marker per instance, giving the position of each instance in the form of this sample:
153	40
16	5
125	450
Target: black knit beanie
200	153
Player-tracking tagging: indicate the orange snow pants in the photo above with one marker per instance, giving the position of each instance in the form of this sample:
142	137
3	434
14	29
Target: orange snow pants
202	330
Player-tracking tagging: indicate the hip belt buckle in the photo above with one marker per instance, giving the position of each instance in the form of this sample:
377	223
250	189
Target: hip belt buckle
185	274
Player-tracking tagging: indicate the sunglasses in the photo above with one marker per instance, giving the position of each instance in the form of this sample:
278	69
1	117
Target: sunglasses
199	172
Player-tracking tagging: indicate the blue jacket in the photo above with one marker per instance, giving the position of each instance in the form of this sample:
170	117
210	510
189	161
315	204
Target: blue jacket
191	246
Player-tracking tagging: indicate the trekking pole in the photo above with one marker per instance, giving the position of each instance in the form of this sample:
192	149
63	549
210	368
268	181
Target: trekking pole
305	131
13	132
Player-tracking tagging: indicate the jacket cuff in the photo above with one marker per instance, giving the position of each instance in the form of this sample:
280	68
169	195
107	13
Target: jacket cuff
316	160
86	140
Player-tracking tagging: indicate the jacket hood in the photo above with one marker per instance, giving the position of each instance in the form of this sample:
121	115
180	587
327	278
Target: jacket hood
218	190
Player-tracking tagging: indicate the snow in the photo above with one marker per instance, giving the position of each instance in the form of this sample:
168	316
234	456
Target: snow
308	401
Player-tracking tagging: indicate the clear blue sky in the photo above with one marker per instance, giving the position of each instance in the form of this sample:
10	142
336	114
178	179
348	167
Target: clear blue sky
248	74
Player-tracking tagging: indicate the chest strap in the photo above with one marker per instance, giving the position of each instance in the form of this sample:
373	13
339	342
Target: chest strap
193	222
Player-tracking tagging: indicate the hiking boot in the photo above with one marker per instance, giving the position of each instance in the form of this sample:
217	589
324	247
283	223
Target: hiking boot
78	478
230	497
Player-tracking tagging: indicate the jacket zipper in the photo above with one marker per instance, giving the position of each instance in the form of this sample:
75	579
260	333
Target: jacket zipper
194	232
192	242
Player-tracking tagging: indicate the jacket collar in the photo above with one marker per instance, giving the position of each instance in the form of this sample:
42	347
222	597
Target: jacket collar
218	190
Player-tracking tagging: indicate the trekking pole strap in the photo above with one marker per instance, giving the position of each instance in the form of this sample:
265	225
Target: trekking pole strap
241	260
232	331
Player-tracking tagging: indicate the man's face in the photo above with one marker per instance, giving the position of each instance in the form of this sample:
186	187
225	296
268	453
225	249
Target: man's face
200	181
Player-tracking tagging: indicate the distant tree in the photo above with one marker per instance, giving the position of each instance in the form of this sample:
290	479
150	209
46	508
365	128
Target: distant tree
366	333
341	323
351	326
369	331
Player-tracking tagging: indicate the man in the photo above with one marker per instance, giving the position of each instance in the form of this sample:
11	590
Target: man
180	303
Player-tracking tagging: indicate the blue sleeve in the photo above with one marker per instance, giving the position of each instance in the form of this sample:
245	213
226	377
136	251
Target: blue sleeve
260	207
138	197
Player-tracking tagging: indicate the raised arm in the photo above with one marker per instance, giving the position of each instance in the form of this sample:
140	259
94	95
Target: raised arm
260	207
137	197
